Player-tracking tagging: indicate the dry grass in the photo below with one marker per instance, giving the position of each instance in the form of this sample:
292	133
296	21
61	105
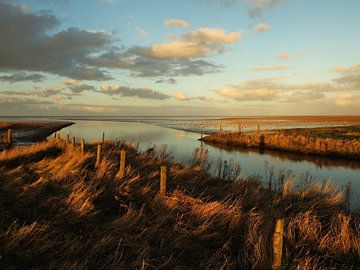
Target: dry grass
293	142
60	212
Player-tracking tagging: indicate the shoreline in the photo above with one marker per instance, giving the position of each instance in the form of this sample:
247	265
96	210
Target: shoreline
307	141
31	132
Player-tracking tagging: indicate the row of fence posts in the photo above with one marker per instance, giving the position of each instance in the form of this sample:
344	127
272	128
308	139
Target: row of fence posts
258	130
277	240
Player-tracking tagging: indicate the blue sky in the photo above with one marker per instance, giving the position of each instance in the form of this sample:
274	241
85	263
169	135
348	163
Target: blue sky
199	57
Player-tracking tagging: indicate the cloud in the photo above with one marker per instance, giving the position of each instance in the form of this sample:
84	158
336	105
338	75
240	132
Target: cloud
77	87
125	91
272	89
198	43
261	27
283	56
346	69
180	96
273	68
176	23
256	6
36	47
139	62
22	76
348	99
42	93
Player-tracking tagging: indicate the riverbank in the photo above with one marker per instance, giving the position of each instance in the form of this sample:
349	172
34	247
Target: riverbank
340	142
60	210
28	132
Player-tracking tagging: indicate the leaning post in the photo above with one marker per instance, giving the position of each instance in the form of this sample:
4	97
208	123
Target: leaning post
163	181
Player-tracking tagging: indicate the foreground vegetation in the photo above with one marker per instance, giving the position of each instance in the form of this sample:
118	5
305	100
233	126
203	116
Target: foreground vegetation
60	211
337	142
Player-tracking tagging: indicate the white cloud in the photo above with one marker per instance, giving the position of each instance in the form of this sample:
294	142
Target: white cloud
180	96
261	27
272	68
176	23
198	43
283	56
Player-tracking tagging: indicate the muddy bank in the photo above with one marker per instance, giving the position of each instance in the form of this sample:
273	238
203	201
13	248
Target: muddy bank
28	132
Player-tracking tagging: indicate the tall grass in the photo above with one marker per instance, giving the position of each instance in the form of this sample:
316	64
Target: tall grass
290	142
59	211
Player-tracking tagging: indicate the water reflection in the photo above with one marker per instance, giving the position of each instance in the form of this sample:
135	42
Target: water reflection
181	145
317	160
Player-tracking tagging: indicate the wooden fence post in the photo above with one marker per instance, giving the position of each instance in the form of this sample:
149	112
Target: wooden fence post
73	141
239	127
82	146
122	163
9	135
278	243
103	139
258	128
163	181
67	139
98	155
221	128
55	135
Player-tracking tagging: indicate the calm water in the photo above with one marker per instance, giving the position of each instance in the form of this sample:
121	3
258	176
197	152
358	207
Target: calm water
181	145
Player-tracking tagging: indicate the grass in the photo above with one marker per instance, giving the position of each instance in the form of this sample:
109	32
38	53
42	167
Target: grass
345	133
343	142
60	212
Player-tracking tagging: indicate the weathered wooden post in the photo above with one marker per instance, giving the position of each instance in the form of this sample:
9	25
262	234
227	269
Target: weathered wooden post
55	135
122	163
5	138
73	141
82	146
9	135
220	128
103	138
278	243
98	155
239	127
163	181
258	128
67	139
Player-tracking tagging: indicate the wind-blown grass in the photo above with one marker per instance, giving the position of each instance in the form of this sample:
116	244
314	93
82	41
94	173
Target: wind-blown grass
60	212
341	145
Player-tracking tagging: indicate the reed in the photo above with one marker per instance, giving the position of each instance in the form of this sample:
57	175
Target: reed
60	212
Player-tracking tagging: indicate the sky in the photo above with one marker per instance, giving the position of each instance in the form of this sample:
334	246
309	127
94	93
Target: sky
179	58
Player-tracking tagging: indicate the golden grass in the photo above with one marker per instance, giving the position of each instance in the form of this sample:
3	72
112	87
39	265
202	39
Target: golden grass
59	211
290	142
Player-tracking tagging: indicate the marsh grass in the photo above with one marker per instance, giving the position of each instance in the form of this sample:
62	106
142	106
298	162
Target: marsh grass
59	211
297	140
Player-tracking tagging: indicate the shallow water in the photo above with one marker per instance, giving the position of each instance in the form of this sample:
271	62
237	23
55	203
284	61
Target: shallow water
181	145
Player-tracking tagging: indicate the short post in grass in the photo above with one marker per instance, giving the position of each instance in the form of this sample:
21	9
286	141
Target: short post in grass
67	139
103	138
55	135
9	136
122	163
278	243
73	141
82	146
98	155
163	181
239	127
258	128
5	138
220	128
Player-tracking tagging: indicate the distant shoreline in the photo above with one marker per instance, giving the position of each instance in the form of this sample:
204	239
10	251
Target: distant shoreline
29	132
